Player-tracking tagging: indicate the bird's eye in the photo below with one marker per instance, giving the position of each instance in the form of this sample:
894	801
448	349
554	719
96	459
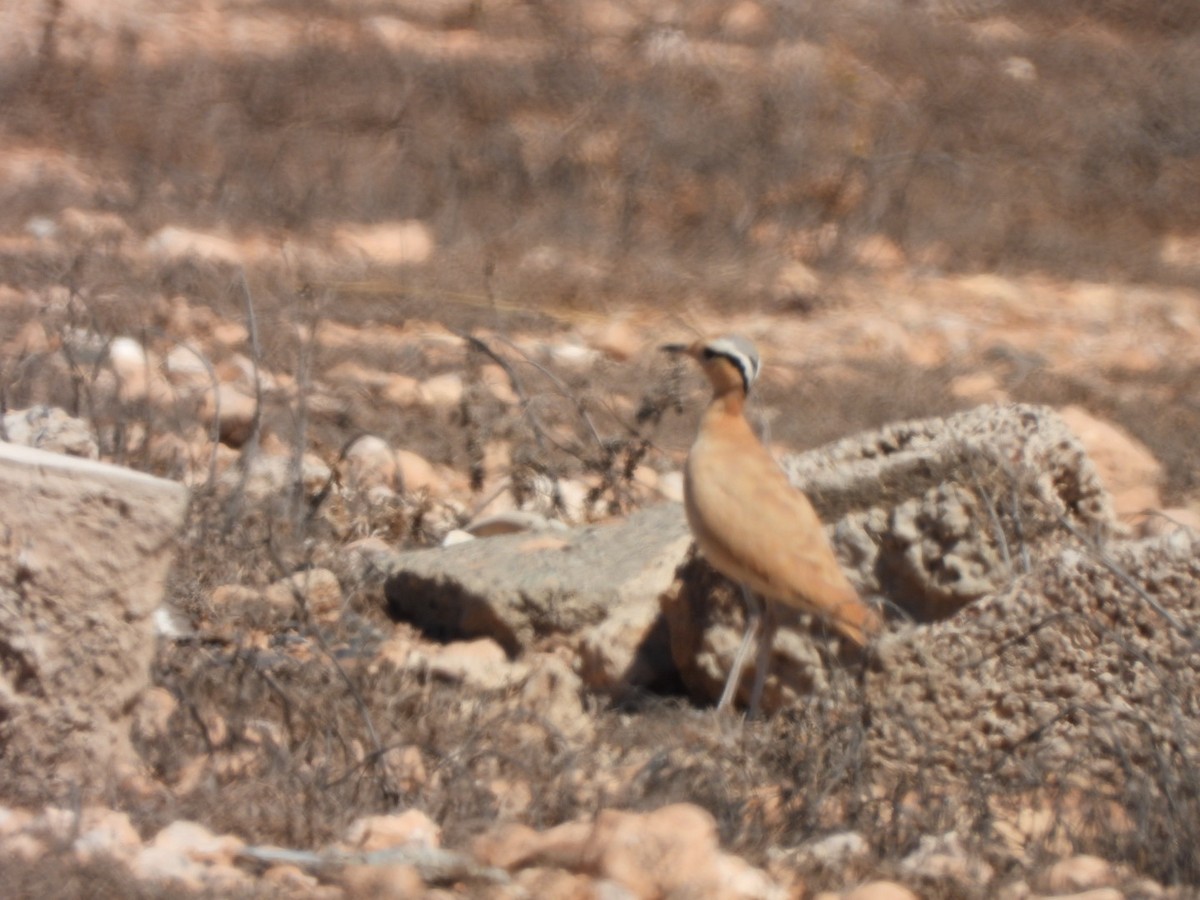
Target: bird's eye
709	353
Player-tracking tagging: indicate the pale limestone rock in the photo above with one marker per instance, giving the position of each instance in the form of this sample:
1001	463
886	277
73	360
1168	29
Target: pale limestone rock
1075	874
417	474
619	340
746	20
880	890
138	372
555	693
514	587
370	462
943	859
402	390
31	339
291	880
173	242
232	411
94	225
441	391
498	384
266	476
402	243
82	570
409	828
667	852
50	428
192	856
383	882
512	522
670	486
187	370
106	833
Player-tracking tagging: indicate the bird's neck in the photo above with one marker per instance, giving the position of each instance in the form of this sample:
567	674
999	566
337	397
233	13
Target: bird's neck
731	402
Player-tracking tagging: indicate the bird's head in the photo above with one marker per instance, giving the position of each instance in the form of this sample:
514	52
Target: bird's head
730	362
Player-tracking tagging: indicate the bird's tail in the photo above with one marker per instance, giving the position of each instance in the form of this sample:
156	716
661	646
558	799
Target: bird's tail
856	620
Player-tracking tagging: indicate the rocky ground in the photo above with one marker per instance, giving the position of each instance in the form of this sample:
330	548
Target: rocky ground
381	289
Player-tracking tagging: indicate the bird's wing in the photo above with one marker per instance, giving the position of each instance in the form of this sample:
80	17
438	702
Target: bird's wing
753	521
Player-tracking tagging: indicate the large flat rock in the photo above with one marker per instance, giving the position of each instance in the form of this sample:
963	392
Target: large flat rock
598	583
84	553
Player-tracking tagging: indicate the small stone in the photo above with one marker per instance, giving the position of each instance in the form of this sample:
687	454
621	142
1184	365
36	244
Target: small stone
619	340
405	242
456	536
670	486
369	462
880	890
394	882
229	334
1106	893
290	879
240	605
481	663
173	242
417	474
402	390
409	828
556	692
496	380
186	369
746	20
978	387
137	372
441	391
232	411
106	833
50	428
30	340
1078	873
189	854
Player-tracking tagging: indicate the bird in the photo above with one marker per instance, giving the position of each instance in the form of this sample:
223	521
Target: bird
752	525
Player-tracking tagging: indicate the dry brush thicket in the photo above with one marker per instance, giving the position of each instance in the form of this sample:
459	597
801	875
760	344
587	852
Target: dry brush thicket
199	241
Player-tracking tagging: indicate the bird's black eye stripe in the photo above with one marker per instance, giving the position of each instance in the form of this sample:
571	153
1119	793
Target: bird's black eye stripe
744	366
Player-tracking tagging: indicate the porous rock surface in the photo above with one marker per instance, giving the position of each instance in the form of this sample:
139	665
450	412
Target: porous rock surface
931	514
935	513
83	557
1084	669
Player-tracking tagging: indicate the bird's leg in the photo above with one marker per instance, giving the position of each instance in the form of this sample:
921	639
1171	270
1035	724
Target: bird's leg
753	621
765	640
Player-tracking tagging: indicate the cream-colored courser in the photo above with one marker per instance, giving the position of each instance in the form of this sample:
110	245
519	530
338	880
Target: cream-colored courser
751	524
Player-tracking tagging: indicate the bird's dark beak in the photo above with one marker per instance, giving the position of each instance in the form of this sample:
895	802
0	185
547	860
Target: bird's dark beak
673	348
